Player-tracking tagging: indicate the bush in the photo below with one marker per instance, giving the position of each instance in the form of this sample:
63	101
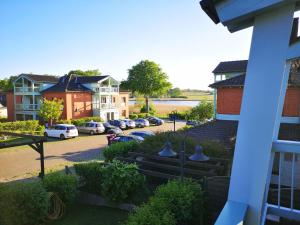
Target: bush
27	126
133	116
120	181
119	149
147	215
64	185
151	109
179	116
177	202
154	144
201	112
23	203
214	148
90	175
81	121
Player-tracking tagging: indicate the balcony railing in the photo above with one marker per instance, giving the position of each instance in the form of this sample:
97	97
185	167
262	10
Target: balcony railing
27	89
27	107
286	178
107	90
104	105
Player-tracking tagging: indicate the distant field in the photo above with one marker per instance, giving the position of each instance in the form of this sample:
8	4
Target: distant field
163	109
198	95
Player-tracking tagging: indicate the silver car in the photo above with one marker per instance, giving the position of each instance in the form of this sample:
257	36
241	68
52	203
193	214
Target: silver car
141	123
129	123
92	128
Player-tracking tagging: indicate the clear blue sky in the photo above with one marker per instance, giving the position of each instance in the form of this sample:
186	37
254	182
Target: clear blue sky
56	36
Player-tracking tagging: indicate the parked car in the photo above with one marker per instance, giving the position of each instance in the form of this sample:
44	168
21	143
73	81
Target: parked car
127	138
155	120
61	131
118	123
192	123
92	128
141	123
142	133
110	129
129	123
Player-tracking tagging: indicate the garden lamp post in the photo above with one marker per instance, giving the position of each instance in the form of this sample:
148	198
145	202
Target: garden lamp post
198	156
174	115
167	151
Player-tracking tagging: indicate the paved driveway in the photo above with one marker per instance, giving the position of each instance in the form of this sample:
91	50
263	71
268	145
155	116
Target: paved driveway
20	162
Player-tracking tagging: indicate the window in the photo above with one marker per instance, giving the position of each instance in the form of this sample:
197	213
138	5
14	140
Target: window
124	113
123	99
114	99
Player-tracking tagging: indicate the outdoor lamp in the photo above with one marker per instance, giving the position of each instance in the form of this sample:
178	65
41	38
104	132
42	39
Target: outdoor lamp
198	155
167	151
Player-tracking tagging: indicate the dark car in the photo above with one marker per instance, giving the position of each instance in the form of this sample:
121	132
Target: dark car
110	129
192	123
118	123
142	133
127	138
155	120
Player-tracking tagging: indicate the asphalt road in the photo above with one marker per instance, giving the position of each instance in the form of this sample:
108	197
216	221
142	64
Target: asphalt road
23	162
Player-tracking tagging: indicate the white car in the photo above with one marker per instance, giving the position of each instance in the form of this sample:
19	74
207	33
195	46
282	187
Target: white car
61	131
129	123
91	128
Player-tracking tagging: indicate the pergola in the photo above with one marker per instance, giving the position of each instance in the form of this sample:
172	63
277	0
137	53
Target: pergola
35	142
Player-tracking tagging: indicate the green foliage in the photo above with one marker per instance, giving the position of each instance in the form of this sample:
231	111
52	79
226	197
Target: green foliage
175	93
62	184
7	83
154	144
179	115
95	72
115	181
90	175
177	202
120	181
81	121
27	126
119	149
152	110
214	148
23	203
51	109
201	112
148	215
133	116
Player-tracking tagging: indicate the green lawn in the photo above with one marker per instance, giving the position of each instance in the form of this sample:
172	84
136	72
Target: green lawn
79	214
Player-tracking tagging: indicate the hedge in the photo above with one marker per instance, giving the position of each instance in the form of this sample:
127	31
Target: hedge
119	149
62	184
27	126
173	203
23	203
115	181
134	116
81	121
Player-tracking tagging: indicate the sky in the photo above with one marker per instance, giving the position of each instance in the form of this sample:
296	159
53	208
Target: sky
56	36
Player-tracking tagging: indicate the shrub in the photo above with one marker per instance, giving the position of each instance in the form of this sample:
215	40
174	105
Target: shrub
179	115
151	109
120	181
133	116
91	176
147	215
23	203
28	127
201	112
64	185
174	203
154	144
119	149
214	148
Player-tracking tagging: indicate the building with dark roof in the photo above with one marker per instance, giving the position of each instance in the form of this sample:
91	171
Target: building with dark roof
228	92
83	96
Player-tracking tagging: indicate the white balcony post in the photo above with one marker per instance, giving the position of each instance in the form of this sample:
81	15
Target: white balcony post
260	106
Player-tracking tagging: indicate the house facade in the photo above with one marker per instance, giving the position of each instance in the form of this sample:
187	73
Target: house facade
229	86
82	96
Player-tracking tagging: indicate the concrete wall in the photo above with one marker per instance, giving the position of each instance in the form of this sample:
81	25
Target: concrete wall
229	101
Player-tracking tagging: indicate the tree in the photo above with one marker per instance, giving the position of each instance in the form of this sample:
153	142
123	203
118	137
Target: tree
147	78
201	112
175	92
6	84
85	73
51	110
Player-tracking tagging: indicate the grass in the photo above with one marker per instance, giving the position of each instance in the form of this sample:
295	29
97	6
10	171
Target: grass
80	214
198	95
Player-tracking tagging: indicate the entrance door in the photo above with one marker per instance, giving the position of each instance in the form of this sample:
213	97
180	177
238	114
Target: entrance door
108	116
112	115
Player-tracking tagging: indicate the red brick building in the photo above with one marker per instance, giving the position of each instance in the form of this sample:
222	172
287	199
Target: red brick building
230	78
82	96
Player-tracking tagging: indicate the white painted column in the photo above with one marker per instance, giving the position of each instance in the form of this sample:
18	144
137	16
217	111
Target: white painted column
260	106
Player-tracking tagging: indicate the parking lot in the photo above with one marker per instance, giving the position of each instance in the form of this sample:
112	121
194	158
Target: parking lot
20	162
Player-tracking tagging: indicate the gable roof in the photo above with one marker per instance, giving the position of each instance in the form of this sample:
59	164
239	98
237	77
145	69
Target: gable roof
68	83
41	78
90	79
238	81
231	67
